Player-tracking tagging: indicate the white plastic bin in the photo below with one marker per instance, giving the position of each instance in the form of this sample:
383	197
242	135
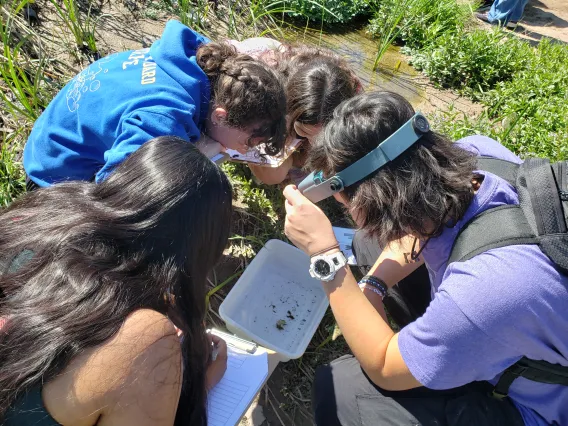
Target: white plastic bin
276	303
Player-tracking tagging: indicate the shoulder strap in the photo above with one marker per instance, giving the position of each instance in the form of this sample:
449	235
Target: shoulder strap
544	194
537	371
506	170
498	227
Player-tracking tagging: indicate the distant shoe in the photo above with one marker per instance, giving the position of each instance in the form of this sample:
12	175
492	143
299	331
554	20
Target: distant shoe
484	16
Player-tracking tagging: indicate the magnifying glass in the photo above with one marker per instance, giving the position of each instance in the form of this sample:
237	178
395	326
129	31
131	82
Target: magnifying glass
316	188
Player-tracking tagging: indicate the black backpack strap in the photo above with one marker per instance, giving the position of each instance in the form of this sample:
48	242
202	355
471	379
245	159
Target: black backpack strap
544	196
537	371
504	169
497	227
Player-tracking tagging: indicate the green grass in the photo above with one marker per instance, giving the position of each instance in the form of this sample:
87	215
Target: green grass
21	92
523	88
12	181
82	27
473	62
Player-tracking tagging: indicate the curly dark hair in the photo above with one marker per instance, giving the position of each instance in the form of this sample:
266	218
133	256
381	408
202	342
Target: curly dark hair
147	237
415	194
248	89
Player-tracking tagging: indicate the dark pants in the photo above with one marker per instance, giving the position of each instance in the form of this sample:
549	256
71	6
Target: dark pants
344	395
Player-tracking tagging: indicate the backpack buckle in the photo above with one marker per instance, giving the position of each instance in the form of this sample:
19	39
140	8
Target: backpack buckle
563	195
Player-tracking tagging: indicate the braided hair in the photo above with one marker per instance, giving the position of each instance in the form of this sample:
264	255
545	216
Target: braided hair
248	90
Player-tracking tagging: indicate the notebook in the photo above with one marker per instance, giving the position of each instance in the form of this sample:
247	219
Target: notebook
256	155
246	374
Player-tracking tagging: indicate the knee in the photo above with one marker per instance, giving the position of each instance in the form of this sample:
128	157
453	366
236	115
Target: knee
323	396
334	392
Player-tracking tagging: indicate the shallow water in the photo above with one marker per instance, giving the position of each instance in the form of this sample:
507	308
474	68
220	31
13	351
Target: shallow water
393	72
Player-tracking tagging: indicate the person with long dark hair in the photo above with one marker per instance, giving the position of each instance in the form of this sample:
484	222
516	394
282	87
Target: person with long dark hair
95	279
479	317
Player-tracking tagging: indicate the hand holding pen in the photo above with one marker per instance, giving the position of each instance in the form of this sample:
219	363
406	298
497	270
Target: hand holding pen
217	362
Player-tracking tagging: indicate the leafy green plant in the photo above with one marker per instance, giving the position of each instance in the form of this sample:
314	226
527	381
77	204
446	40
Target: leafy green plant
535	101
260	212
193	13
475	61
417	22
328	11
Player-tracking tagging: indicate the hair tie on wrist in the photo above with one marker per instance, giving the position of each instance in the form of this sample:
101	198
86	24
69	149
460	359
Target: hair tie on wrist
335	246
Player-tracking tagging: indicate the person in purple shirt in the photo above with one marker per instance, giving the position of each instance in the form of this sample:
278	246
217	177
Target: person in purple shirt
479	317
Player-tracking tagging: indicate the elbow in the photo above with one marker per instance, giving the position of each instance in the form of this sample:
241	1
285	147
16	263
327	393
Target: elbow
380	380
268	177
375	372
388	371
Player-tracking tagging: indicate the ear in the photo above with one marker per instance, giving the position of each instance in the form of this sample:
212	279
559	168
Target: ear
307	130
341	198
298	128
219	116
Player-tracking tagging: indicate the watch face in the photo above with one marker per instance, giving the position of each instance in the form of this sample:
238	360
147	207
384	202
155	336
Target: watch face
321	267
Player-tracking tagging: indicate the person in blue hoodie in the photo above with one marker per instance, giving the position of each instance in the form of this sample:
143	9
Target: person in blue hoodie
183	85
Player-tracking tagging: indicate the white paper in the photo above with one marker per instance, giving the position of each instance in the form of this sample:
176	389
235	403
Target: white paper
345	239
245	375
257	155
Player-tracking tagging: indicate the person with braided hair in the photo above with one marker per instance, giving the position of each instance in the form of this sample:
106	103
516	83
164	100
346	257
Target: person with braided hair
317	80
183	85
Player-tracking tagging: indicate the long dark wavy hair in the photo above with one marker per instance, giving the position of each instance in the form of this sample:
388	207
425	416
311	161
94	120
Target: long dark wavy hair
145	238
419	192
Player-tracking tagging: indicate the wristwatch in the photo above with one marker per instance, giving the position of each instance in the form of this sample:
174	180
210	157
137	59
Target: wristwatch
324	267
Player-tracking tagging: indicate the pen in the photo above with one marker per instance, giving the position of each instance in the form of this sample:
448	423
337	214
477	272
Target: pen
214	352
235	341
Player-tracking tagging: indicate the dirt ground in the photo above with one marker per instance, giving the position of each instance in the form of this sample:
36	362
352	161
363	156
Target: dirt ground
544	18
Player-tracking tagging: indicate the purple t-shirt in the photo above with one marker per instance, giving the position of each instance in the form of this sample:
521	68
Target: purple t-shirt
489	311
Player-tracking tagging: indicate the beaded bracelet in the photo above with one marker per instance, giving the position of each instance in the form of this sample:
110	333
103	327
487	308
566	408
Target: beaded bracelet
376	283
373	289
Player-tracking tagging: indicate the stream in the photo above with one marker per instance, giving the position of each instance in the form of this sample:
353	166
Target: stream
359	50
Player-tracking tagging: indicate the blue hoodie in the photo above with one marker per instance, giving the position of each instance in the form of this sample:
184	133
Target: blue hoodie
117	104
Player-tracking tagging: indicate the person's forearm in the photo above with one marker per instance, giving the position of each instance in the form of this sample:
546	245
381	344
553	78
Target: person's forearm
395	262
367	333
272	175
